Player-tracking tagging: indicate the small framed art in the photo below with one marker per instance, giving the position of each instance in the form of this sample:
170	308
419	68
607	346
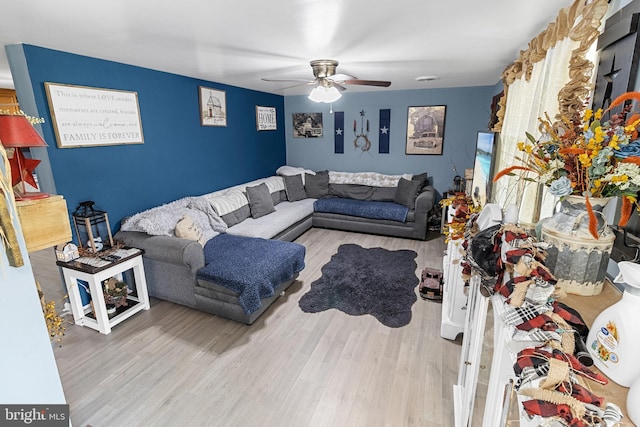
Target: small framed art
307	125
213	106
265	118
425	129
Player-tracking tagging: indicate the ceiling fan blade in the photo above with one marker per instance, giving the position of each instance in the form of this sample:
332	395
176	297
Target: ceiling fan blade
367	82
308	83
289	80
337	85
340	77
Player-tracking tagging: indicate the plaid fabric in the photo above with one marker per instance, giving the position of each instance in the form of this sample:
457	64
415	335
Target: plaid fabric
572	317
531	357
540	292
506	289
537	356
593	417
542	321
537	335
510	236
513	256
581	393
567	313
529	374
514	316
545	409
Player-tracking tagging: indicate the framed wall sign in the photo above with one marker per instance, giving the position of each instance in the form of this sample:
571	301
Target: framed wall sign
265	118
213	106
89	117
425	129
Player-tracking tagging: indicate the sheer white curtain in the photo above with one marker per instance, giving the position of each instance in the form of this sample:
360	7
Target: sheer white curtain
560	71
527	101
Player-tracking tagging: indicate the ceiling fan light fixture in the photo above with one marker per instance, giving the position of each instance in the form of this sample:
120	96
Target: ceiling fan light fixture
324	94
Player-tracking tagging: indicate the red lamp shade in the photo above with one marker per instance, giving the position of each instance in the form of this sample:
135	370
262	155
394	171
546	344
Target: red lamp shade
17	132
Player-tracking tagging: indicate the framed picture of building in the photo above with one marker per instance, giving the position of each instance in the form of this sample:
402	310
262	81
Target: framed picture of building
213	106
425	129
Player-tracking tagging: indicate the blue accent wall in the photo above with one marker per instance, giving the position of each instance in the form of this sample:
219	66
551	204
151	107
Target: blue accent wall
468	111
179	157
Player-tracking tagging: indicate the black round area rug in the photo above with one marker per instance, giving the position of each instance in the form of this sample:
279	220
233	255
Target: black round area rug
361	281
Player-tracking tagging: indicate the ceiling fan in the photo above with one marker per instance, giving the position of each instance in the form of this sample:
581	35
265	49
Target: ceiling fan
327	84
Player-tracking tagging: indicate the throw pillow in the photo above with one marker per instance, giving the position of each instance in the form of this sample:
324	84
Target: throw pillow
422	178
187	229
317	186
260	201
294	188
407	192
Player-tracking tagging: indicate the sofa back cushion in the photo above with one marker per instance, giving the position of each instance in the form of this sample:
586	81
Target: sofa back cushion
406	192
317	186
295	188
232	206
362	192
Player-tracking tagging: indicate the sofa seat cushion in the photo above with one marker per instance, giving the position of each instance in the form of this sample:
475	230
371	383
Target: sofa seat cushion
362	208
286	214
251	267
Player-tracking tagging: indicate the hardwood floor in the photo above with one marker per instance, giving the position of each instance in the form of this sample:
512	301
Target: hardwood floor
173	365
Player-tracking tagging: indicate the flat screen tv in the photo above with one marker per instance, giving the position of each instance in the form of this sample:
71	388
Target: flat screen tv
486	143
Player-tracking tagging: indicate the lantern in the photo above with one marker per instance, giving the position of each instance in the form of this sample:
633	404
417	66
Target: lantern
92	227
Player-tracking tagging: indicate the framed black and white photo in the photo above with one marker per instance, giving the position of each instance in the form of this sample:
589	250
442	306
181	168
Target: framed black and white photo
213	106
265	118
307	125
425	129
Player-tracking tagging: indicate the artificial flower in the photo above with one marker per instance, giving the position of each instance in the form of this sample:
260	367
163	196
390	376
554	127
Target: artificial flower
585	155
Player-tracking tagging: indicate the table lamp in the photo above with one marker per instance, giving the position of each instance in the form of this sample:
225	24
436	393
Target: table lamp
17	132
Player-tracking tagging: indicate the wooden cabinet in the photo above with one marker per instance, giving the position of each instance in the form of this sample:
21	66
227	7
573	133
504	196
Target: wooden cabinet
45	222
9	101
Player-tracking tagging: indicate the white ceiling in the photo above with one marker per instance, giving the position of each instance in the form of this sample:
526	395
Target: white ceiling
237	42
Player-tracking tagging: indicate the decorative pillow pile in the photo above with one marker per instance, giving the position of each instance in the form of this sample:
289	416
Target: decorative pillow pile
162	220
260	201
295	188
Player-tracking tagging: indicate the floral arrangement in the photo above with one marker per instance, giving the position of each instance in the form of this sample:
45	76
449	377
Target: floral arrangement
585	156
463	210
55	322
115	292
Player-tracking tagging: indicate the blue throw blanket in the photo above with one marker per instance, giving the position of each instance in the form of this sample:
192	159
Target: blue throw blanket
362	208
250	266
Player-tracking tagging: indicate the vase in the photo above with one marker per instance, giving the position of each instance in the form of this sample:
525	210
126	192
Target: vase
576	258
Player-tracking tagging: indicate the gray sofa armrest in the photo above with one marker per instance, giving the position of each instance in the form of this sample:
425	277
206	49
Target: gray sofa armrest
166	248
426	199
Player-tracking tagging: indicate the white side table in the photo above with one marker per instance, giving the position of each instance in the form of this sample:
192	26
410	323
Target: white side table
94	274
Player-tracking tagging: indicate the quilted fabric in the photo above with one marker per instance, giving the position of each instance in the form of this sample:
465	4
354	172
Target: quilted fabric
250	266
362	208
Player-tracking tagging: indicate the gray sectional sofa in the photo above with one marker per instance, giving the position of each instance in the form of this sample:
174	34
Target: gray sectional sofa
174	265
